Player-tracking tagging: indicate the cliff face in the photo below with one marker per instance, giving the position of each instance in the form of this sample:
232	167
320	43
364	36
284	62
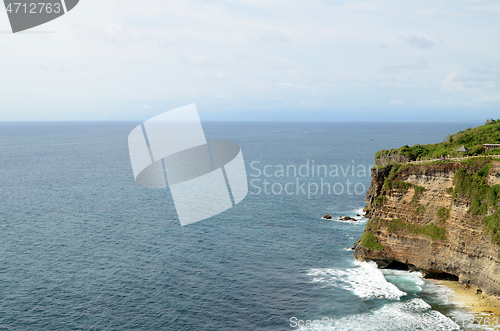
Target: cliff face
419	218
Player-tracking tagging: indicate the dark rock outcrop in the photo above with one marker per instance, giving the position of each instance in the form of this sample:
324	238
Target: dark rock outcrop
347	219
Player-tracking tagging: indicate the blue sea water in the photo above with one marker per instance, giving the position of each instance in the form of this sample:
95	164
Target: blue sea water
84	248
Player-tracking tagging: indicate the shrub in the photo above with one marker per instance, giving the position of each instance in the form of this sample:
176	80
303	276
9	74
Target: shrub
495	151
390	178
471	138
372	223
419	209
472	186
493	195
443	214
370	241
418	191
401	186
478	208
432	231
396	225
493	226
380	200
413	152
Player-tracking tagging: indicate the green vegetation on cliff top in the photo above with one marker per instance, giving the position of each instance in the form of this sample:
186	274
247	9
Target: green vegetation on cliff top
473	139
470	184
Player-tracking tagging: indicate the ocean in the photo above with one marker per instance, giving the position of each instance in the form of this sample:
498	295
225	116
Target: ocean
82	247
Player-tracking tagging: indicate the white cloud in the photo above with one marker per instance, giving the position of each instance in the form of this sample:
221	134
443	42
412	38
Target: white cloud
396	102
450	76
492	99
449	83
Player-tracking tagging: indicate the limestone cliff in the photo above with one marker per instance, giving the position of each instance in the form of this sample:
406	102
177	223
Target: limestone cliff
439	218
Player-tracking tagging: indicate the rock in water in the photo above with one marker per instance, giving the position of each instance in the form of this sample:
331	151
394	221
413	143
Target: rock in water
327	217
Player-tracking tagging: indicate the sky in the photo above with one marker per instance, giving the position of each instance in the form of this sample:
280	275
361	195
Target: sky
257	60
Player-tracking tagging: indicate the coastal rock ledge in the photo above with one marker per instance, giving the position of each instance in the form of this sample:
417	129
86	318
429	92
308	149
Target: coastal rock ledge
438	218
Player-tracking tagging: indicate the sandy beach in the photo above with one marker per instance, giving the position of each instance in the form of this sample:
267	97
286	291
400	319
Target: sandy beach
486	308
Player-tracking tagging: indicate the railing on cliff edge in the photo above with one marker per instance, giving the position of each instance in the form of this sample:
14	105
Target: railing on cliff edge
452	159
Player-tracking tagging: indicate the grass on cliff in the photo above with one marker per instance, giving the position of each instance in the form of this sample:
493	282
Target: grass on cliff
493	226
471	138
443	214
380	200
371	225
420	209
431	230
418	192
471	186
390	183
370	241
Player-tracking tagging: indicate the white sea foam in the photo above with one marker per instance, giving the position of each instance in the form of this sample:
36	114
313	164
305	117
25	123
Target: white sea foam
415	314
359	211
399	314
365	280
337	216
339	219
406	281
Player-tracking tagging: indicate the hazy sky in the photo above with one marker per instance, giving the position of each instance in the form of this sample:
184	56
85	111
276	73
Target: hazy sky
320	60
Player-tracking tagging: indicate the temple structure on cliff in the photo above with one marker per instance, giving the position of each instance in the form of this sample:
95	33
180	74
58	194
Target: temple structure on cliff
463	149
489	147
